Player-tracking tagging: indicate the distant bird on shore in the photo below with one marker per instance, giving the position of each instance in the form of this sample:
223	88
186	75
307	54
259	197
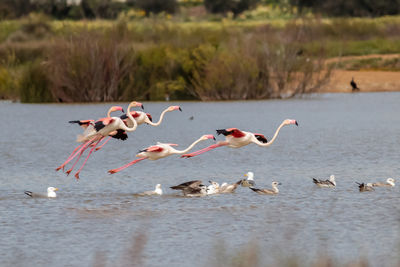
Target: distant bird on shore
327	183
236	138
50	193
160	150
365	187
389	183
353	84
272	191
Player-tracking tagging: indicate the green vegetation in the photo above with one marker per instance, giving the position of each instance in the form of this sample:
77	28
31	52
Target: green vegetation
184	56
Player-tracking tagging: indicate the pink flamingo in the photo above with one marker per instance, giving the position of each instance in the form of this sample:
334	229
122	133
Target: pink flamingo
160	150
141	118
103	127
85	123
236	138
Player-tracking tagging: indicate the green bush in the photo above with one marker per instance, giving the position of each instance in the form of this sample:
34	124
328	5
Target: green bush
34	84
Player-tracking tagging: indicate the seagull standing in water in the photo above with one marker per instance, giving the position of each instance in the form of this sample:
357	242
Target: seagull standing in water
389	183
50	193
157	191
365	187
327	183
249	181
272	191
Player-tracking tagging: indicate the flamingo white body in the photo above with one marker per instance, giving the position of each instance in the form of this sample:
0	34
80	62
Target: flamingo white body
236	138
160	150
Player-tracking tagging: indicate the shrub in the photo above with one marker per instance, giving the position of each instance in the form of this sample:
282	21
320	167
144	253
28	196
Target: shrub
88	67
34	84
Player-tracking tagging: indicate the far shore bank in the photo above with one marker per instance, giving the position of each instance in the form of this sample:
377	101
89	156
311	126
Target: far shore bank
367	81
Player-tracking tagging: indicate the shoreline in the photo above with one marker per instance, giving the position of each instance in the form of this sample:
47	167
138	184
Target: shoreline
367	81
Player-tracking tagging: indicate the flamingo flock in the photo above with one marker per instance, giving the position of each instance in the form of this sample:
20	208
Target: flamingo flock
109	127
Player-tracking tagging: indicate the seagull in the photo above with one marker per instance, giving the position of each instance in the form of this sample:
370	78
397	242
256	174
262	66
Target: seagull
157	191
365	187
327	183
354	85
389	183
249	181
272	191
229	188
191	188
50	193
213	188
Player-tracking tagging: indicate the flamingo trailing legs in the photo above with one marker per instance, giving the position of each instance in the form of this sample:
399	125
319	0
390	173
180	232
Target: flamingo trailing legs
161	150
236	138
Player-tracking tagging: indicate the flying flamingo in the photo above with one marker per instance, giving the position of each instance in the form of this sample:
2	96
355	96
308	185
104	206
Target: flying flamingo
236	138
103	127
160	150
141	118
85	123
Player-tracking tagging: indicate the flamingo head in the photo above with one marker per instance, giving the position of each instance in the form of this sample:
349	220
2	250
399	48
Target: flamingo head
172	108
288	121
116	108
136	104
208	136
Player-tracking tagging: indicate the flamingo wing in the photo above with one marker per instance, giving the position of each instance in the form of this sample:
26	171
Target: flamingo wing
121	134
152	149
149	116
261	138
83	123
101	123
133	113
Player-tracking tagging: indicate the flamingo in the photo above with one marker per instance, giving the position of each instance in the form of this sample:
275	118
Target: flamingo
236	138
160	150
142	117
85	123
103	127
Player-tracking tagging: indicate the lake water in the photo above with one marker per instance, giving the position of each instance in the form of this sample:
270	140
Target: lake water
97	221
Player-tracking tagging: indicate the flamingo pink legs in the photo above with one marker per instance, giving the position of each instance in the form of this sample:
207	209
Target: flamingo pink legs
79	148
201	151
87	157
125	166
105	142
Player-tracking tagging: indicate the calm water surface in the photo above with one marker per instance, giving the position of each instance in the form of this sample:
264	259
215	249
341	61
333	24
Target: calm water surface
354	136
